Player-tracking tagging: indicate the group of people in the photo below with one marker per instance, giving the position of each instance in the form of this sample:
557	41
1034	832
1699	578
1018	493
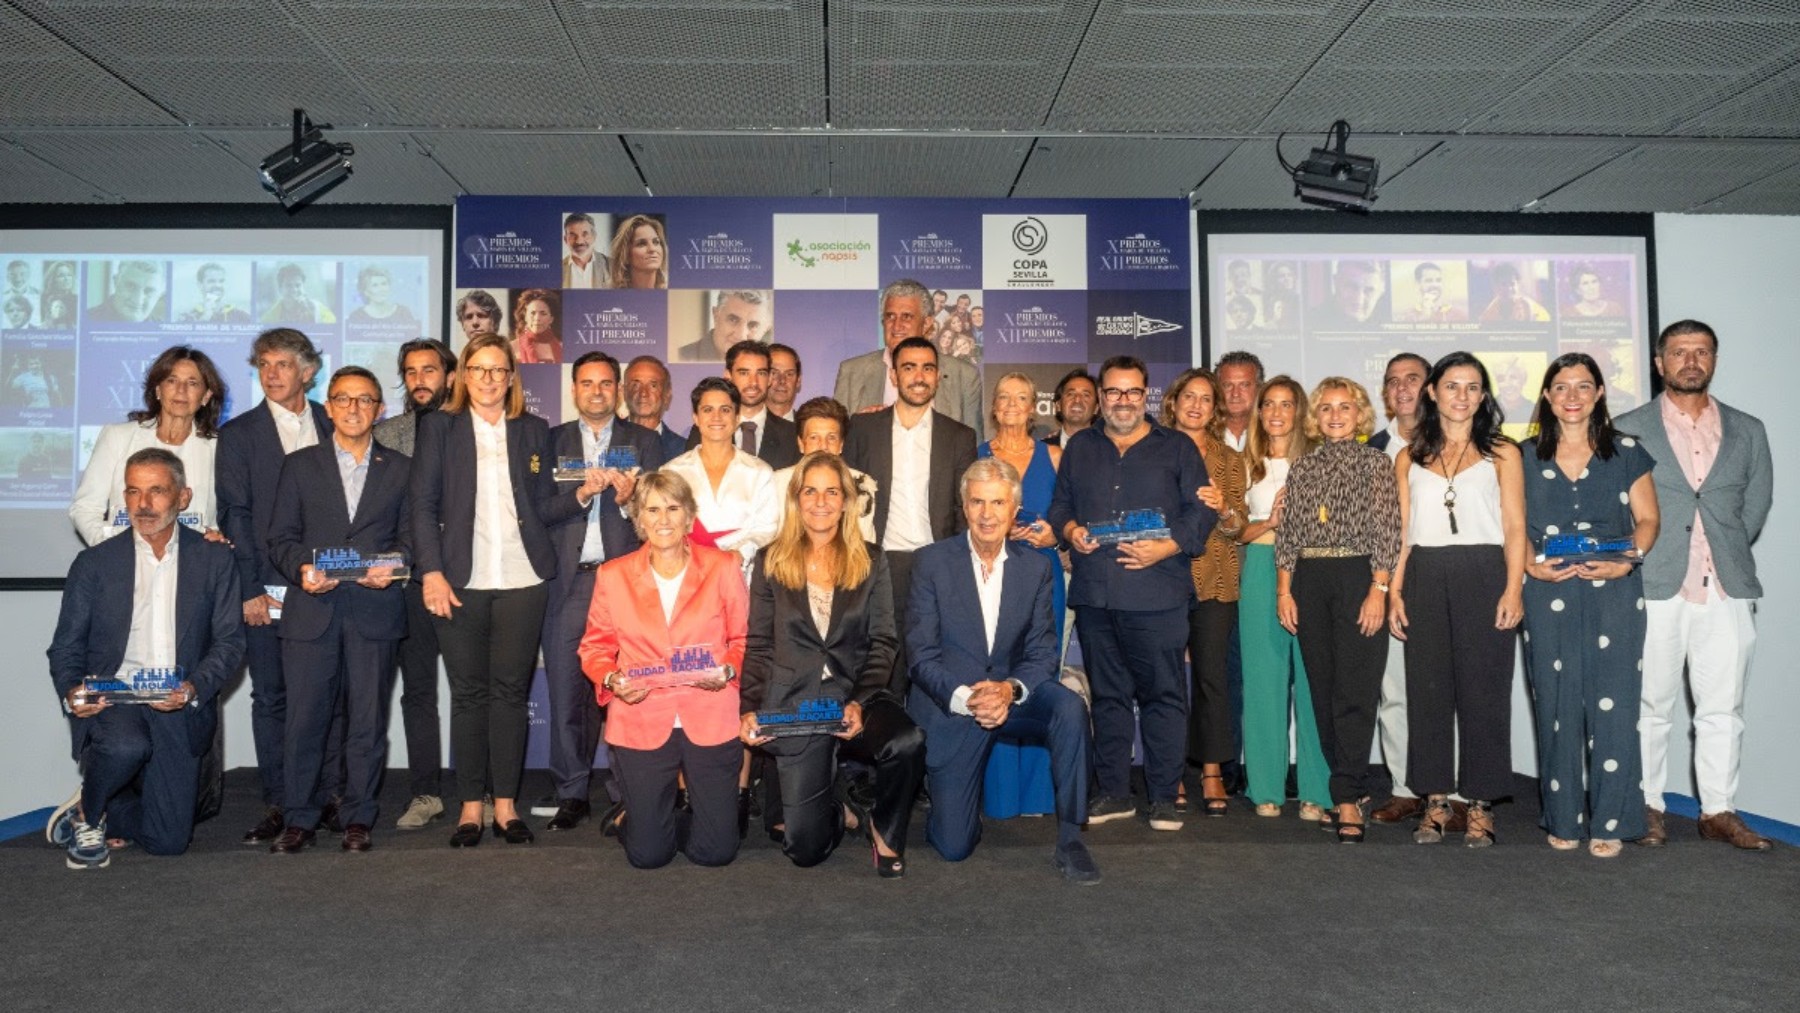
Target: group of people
883	555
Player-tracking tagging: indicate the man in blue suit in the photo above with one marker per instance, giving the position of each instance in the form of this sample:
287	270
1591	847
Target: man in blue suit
179	606
648	391
251	449
338	636
583	542
991	671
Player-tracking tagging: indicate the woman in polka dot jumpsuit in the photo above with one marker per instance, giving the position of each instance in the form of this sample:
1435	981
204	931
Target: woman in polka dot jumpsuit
1584	621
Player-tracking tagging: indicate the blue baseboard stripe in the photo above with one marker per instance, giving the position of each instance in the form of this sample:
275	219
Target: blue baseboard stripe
25	823
1689	807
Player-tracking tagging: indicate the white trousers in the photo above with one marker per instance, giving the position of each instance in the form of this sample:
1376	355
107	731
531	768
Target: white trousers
1390	717
1713	642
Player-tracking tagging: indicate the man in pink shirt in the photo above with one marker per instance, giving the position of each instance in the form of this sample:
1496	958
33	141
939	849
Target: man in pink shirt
1715	481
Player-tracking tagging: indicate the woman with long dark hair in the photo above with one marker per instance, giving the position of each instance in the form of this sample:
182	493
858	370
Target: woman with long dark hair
1584	616
1456	597
183	395
1334	557
536	316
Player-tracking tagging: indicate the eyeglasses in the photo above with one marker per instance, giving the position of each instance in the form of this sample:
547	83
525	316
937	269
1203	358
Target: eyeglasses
1123	393
492	373
344	401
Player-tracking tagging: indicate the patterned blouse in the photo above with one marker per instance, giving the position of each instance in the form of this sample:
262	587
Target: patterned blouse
1216	570
1342	495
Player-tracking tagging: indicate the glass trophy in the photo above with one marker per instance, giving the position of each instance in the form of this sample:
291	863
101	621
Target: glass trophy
140	685
575	469
819	716
1586	548
1130	526
346	563
122	520
685	667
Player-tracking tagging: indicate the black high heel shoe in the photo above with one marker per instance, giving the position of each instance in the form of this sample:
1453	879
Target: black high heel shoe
514	832
1352	833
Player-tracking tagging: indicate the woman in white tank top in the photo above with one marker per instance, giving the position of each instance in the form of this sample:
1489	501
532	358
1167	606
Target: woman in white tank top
1457	596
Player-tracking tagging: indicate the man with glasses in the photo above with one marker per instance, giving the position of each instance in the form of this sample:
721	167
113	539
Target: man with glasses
252	447
600	533
1131	598
647	391
338	633
761	432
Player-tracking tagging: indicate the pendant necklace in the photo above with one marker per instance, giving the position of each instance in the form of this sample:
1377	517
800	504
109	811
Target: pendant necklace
1450	484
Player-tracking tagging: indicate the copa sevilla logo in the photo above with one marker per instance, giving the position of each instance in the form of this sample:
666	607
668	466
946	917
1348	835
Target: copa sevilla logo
1034	251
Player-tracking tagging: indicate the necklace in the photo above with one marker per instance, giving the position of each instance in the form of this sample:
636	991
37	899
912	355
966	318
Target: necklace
997	445
1450	473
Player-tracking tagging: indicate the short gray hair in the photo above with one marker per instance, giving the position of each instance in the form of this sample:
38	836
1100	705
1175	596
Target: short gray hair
905	288
157	457
671	486
991	469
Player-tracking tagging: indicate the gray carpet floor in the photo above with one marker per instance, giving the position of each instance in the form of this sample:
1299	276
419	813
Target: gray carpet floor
1239	913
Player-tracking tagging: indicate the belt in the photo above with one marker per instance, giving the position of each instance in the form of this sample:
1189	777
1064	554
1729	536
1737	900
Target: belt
1330	552
586	567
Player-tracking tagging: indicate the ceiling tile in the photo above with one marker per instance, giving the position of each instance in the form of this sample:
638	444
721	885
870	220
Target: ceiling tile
1118	166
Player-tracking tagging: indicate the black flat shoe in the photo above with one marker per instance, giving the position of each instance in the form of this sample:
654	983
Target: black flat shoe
514	832
467	835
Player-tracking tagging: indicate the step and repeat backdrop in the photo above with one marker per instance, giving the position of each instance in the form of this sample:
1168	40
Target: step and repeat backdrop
1040	287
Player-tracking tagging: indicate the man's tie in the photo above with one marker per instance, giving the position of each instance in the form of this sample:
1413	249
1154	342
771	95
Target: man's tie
747	437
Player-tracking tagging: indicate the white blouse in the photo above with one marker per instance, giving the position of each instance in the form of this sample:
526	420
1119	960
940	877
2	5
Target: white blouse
100	494
744	506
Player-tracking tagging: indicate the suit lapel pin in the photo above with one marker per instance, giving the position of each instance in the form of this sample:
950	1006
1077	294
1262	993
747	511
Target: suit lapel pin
534	464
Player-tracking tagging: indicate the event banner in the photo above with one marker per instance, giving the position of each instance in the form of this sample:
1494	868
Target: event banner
1037	287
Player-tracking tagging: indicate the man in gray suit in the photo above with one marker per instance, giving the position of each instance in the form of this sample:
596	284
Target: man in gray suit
864	382
1700	583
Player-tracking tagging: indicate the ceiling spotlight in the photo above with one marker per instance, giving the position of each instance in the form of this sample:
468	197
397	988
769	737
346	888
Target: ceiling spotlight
1332	177
305	169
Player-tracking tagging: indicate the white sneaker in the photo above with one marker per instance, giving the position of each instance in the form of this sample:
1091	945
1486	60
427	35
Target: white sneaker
420	812
61	827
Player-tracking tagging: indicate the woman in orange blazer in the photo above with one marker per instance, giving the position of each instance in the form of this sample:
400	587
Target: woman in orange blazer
670	596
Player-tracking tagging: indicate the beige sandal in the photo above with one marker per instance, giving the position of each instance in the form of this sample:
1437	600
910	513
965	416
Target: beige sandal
1268	809
1561	845
1605	849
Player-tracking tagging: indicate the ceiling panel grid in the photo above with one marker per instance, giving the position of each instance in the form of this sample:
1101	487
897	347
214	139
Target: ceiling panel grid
48	82
1493	175
711	166
520	163
915	166
1119	166
1671	177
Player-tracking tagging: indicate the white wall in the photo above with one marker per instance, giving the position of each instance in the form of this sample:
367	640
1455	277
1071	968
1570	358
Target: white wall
1737	273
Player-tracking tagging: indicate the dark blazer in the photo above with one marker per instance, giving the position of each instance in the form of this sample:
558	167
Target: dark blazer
869	447
673	443
246	468
946	640
95	622
617	532
1380	440
443	494
778	446
785	655
310	514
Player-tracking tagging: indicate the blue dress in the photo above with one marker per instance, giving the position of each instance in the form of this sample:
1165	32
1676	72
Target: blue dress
1017	779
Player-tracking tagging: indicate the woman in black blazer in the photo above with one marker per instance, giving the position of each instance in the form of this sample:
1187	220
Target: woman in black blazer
822	626
483	500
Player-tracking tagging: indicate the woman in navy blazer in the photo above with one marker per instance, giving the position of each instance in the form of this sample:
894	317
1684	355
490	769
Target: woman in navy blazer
822	626
483	501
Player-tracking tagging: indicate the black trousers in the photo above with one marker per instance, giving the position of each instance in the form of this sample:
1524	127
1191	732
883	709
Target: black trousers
419	695
891	743
574	711
653	830
340	670
490	647
1342	666
1135	658
900	566
1211	737
1459	672
137	777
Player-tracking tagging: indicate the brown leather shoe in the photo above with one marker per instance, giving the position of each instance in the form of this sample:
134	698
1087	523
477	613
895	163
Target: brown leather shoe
356	837
1655	834
1729	827
1398	809
292	841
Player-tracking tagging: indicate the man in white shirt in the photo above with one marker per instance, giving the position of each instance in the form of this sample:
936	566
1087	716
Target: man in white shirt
158	596
991	671
583	267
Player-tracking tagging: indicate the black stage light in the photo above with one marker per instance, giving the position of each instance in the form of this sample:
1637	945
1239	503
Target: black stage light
1332	177
305	169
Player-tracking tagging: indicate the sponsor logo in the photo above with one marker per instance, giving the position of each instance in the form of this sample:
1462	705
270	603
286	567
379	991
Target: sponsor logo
1131	325
718	251
1033	325
1138	252
1030	236
826	251
929	252
810	254
505	251
613	326
1034	251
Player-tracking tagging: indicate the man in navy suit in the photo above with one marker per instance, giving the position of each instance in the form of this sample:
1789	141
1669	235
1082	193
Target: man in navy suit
599	533
179	606
248	463
648	392
338	635
990	671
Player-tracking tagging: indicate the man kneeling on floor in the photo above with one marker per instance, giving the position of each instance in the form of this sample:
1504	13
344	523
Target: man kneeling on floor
156	596
980	673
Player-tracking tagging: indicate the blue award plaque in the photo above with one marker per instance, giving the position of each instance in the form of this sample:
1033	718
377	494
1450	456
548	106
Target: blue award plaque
1130	526
819	716
685	667
1586	548
575	469
346	563
122	520
140	685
